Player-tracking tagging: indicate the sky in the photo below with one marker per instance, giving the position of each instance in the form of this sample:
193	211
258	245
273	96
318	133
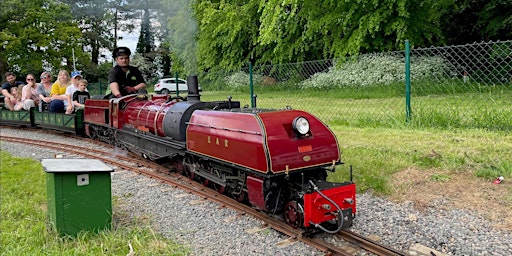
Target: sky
129	40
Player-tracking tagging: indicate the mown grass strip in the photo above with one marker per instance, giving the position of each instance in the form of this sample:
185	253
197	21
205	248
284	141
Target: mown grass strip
25	229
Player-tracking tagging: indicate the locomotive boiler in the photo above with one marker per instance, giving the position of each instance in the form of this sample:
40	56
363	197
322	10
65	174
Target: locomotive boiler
275	160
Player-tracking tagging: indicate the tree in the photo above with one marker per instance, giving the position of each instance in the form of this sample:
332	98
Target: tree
227	34
340	28
468	21
95	19
182	34
154	16
234	32
38	35
146	43
496	18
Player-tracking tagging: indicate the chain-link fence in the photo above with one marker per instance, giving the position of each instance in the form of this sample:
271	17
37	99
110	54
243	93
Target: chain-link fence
98	88
466	86
471	86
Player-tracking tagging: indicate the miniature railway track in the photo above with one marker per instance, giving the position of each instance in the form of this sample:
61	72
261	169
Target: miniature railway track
368	244
128	162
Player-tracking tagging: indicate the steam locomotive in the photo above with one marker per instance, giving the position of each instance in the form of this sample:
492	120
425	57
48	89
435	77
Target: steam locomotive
275	160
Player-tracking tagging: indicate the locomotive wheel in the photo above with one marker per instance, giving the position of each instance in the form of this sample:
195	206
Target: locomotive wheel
191	175
178	167
187	162
204	181
219	188
292	214
216	186
241	197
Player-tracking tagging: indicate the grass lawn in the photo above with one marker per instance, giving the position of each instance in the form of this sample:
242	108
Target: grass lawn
454	134
454	147
378	153
25	229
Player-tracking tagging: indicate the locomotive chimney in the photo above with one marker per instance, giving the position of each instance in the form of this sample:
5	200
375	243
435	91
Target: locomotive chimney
193	89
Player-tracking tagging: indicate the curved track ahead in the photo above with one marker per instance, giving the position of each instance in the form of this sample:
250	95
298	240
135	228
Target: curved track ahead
131	162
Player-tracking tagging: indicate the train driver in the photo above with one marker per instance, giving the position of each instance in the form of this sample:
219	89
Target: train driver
124	79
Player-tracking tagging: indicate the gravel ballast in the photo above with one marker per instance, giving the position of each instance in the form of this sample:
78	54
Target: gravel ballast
209	229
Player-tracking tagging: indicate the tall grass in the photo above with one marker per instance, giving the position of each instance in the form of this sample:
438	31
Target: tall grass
25	229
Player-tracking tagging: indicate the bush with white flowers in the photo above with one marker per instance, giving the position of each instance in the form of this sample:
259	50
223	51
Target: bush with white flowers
374	69
240	79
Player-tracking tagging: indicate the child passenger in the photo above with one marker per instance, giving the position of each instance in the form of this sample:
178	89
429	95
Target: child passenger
17	99
80	96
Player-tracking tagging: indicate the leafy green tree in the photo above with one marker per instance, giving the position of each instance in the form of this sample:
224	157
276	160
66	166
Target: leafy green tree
234	32
146	43
468	21
125	12
228	33
339	28
37	35
496	20
182	35
162	35
153	19
94	20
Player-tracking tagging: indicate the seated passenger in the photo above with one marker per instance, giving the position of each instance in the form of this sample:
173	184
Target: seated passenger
58	93
44	89
76	77
29	97
80	96
6	89
17	99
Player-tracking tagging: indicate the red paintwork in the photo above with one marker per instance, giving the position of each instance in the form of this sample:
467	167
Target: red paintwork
138	113
242	138
94	111
255	191
287	150
117	113
147	115
233	137
313	210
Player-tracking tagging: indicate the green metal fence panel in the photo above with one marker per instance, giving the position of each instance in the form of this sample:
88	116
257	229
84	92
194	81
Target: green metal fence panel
98	88
466	86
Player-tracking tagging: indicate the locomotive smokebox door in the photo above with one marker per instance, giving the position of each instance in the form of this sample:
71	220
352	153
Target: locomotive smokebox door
79	195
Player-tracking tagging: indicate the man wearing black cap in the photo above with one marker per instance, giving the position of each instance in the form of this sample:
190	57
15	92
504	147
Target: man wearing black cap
123	78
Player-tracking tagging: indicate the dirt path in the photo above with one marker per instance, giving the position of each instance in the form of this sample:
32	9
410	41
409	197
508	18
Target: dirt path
460	191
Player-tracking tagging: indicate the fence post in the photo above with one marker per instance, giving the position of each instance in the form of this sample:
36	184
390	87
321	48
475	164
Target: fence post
407	82
251	86
177	87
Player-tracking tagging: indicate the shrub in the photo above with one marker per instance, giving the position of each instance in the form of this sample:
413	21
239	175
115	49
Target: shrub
372	69
240	80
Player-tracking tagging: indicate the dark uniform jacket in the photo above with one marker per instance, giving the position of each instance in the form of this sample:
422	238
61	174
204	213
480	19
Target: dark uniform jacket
131	78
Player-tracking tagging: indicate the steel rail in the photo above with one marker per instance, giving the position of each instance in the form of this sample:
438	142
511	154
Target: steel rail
161	174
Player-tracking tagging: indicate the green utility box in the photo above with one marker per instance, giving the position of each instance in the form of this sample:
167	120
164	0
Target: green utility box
79	195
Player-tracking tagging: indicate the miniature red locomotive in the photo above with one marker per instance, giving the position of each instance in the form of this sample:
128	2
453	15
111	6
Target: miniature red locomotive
275	160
